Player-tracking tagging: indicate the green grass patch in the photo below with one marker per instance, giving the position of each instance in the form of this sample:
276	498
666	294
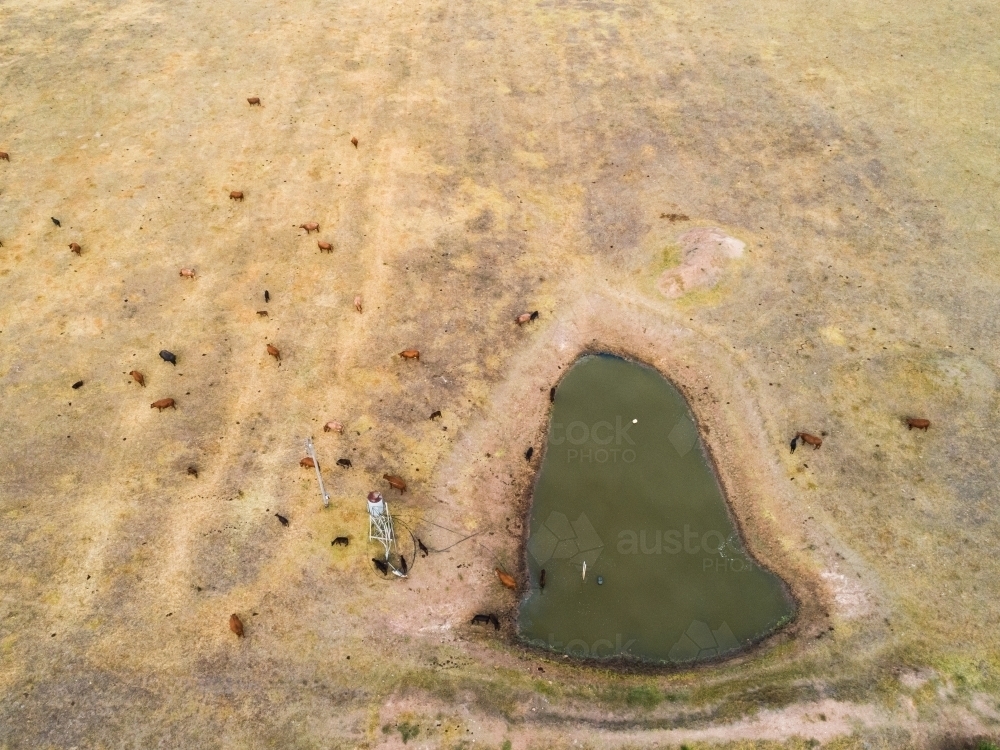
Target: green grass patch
644	696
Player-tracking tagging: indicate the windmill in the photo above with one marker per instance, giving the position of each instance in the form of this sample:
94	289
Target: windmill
311	451
380	523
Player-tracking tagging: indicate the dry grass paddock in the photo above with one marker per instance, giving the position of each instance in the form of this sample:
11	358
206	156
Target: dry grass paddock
466	163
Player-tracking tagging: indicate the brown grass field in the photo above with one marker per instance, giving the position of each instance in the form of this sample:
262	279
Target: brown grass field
511	156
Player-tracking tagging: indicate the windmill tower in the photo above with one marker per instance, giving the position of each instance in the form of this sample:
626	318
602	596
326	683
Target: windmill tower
319	476
380	523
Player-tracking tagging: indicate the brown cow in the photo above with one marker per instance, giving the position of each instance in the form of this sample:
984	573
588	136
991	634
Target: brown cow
505	579
812	440
236	195
254	101
310	226
163	403
236	625
262	313
138	378
920	424
75	248
355	142
325	247
307	463
4	155
187	273
410	354
273	351
333	427
395	482
357	302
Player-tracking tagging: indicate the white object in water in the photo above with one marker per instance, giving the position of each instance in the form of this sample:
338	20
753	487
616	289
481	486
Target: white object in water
585	570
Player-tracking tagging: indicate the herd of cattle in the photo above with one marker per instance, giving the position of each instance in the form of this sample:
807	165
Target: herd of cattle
396	482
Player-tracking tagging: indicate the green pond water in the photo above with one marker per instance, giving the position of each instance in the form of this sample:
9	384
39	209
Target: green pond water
627	488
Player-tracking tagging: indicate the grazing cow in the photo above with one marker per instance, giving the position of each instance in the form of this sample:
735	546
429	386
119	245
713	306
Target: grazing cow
163	403
357	302
193	471
4	155
529	453
355	142
522	318
436	414
395	482
382	566
75	248
267	296
422	546
325	247
341	541
795	444
307	463
281	518
403	567
812	440
236	625
273	351
187	273
534	315
505	579
485	619
345	462
541	579
236	195
55	221
262	313
333	427
674	217
77	384
311	226
410	354
168	357
138	378
254	101
920	424
552	395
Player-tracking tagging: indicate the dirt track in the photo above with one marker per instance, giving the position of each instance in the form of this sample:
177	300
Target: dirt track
550	156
